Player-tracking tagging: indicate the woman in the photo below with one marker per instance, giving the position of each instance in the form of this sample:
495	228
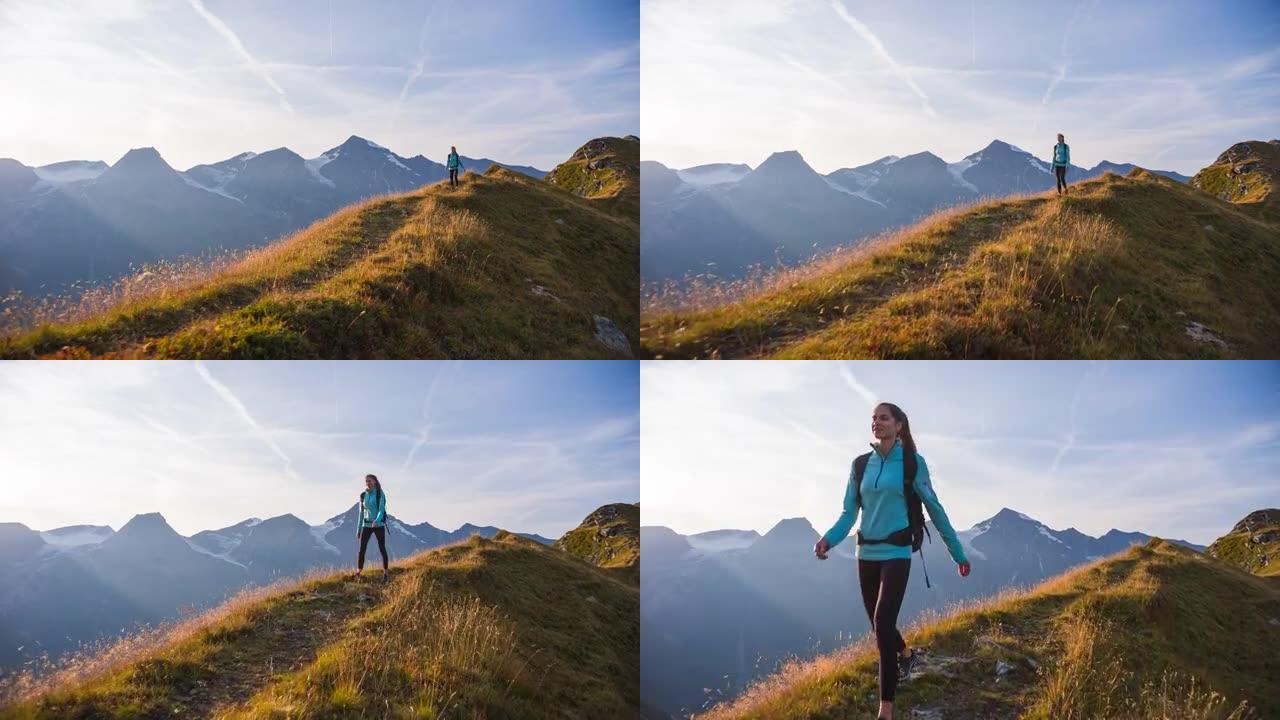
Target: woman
883	563
454	164
373	518
1061	159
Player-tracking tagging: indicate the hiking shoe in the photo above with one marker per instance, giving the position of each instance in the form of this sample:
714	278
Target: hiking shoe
906	665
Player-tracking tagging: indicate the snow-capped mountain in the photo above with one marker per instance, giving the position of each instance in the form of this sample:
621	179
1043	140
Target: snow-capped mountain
89	221
711	617
723	219
718	540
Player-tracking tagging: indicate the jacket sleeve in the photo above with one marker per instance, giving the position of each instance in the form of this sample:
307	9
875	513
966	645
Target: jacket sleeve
924	488
380	519
848	517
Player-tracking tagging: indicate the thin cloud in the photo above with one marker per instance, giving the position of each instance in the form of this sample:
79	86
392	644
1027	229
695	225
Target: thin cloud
242	412
863	391
1061	73
234	41
878	48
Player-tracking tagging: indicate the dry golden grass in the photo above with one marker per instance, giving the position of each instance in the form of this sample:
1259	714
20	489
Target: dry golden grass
483	628
1119	268
1155	633
504	266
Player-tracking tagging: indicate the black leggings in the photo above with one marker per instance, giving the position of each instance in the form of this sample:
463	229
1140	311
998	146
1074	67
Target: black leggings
884	583
453	178
381	533
1061	172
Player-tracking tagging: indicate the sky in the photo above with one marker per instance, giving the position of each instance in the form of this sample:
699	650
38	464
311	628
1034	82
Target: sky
1165	85
528	446
1175	449
520	81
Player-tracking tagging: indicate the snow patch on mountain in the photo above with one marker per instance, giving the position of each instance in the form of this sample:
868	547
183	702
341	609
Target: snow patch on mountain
710	177
860	194
1045	532
957	171
62	176
222	556
214	190
319	531
313	166
1037	164
76	539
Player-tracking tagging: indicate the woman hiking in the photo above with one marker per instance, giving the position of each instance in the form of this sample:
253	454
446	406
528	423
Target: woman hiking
373	519
885	537
1061	159
454	164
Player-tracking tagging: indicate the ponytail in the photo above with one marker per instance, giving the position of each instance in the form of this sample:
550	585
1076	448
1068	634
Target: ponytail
908	443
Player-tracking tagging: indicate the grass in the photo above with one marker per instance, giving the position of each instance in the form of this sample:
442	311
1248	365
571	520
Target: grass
608	538
1246	174
1156	632
485	628
1259	558
605	169
503	267
1120	268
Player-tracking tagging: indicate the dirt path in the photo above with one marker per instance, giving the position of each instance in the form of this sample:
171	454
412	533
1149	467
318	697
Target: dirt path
285	639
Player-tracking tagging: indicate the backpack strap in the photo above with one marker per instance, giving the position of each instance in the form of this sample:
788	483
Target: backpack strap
859	469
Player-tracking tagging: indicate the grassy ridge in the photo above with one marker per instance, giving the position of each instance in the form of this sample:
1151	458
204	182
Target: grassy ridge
1122	267
503	267
1248	173
1158	631
486	628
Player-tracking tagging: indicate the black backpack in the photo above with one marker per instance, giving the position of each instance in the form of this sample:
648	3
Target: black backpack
916	530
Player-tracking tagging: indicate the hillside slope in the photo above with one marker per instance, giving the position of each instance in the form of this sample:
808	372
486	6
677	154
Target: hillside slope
1247	173
1113	639
609	537
1123	267
1253	544
506	266
605	169
487	628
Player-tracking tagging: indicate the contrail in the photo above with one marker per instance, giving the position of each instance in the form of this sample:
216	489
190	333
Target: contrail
878	48
1071	421
425	434
234	40
238	407
1066	57
862	390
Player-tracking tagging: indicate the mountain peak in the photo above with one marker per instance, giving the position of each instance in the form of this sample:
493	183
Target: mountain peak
141	165
140	158
784	160
1011	515
145	522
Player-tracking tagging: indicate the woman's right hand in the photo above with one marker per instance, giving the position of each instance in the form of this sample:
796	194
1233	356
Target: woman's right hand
822	548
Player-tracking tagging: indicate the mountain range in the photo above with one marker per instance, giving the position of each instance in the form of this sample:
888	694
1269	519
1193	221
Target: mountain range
82	583
1122	266
502	266
722	608
723	219
86	221
499	627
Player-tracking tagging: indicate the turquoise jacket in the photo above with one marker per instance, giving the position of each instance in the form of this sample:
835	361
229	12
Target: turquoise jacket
884	507
1061	155
373	509
454	162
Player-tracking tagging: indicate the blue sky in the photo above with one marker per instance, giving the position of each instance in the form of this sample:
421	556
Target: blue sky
1178	449
529	446
522	81
1168	85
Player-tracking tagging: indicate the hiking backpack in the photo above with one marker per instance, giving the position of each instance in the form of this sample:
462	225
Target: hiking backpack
916	530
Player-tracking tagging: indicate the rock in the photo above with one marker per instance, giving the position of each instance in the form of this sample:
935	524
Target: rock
1209	228
1002	668
543	292
1274	621
1202	334
1258	519
611	336
559	221
1180	314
